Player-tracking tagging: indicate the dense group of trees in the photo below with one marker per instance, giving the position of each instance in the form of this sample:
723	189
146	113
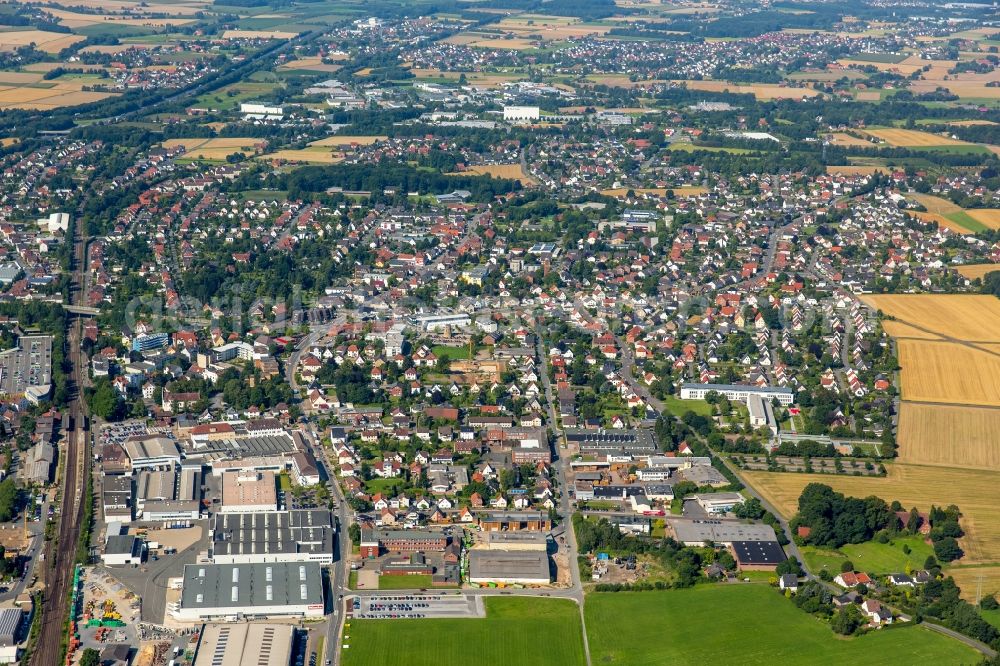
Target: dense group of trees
833	519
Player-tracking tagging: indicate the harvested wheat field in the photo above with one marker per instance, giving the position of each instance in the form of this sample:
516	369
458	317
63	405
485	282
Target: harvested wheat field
845	139
969	579
959	316
762	91
50	42
898	329
868	95
937	371
345	140
855	170
316	155
509	171
949	436
216	149
258	34
484	79
914	138
941	220
973	271
974	491
19	78
989	217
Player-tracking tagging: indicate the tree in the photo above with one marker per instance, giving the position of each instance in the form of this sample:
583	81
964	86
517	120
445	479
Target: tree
989	602
947	549
846	566
913	521
8	499
90	657
846	621
354	531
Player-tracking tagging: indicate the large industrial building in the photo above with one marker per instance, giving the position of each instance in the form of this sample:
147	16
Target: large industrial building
301	535
252	492
525	567
245	645
741	392
243	591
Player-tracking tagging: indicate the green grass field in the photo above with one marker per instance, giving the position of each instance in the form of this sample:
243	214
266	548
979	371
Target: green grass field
415	582
745	624
678	407
523	631
385	486
991	616
871	557
451	353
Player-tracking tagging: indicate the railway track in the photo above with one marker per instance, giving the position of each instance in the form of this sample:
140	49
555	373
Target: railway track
60	554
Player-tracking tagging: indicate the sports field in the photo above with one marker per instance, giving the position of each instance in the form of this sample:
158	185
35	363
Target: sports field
744	624
517	630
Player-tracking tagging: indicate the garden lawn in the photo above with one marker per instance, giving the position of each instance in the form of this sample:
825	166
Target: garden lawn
746	624
523	631
451	353
871	557
678	407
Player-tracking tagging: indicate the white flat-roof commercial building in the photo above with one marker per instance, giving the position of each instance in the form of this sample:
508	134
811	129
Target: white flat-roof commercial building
521	113
10	622
525	567
152	451
230	592
697	532
299	535
122	550
239	644
439	321
761	413
785	396
258	111
526	540
718	502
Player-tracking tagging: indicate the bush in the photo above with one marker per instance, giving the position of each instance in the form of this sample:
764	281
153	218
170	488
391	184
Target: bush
989	602
847	566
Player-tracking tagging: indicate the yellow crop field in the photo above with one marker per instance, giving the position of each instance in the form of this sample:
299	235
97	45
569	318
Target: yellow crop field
50	42
258	34
845	139
855	170
974	491
19	78
949	435
898	329
762	91
959	316
937	371
987	216
484	79
941	220
970	578
511	171
913	138
216	149
318	155
973	271
346	140
491	41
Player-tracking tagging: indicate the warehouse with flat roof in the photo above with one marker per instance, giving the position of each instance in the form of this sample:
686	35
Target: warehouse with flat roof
244	591
249	492
239	644
525	567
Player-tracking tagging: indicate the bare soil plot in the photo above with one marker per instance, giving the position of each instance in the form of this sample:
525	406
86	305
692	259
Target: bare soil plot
950	436
973	271
960	316
947	372
974	491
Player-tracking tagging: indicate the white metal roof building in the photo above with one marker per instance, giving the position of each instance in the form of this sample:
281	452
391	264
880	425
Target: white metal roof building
245	644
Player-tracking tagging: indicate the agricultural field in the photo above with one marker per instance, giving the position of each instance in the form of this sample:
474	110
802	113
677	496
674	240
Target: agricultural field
762	91
963	317
50	42
898	329
341	140
684	191
258	34
949	435
973	271
973	490
311	155
29	90
855	170
969	578
937	371
512	632
871	557
907	138
231	96
845	139
482	79
511	171
216	149
655	628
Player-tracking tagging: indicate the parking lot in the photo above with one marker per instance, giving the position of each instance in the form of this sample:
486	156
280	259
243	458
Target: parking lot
409	606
